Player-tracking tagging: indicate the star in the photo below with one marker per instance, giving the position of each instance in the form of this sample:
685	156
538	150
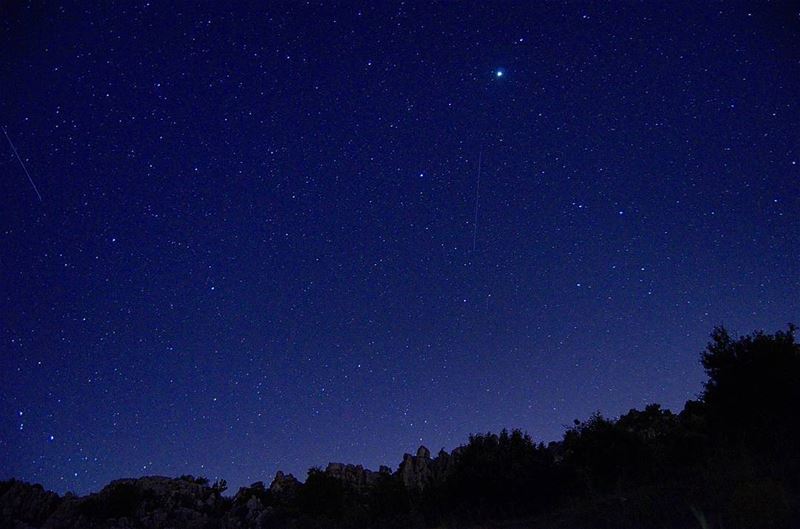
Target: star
499	72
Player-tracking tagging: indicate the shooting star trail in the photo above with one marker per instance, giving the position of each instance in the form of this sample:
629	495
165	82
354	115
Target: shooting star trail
477	191
22	164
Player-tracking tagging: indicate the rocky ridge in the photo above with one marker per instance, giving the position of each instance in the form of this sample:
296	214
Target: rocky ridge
153	502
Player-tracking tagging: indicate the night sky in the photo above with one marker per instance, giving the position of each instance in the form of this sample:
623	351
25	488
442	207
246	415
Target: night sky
257	249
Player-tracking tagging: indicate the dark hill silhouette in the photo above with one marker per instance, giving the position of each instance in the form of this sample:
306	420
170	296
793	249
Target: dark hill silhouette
728	460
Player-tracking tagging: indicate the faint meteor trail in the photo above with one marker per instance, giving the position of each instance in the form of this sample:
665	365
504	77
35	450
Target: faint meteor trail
22	164
477	190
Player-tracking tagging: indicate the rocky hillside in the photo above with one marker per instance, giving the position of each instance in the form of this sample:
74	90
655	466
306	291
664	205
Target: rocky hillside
160	502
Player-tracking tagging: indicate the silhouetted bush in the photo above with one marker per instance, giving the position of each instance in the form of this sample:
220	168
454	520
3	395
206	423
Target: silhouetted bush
120	500
199	480
389	500
752	392
500	476
220	486
322	495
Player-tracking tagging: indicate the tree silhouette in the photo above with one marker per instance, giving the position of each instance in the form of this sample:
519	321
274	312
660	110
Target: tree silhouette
753	389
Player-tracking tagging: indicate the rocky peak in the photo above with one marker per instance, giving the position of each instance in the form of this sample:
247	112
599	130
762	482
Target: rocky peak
284	484
418	471
26	504
354	475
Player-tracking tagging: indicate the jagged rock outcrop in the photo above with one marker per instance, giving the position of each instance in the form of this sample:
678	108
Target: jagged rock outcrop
23	505
284	485
151	502
355	476
417	472
157	502
250	507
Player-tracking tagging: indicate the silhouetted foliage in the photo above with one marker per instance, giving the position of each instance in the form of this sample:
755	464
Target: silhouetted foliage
220	486
121	501
501	476
752	390
389	500
606	455
322	495
199	480
729	459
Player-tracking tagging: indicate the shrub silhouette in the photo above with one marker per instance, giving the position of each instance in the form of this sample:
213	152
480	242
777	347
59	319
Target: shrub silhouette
200	480
606	455
121	500
752	390
322	495
501	476
388	499
220	486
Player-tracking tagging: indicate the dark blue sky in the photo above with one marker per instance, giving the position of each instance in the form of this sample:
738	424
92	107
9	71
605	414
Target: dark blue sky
254	249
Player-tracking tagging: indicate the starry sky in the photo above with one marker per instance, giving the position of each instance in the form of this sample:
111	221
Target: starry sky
272	236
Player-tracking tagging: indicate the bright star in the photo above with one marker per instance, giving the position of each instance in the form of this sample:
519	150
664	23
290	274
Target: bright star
499	73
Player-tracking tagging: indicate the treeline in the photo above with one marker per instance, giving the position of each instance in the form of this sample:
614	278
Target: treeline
730	459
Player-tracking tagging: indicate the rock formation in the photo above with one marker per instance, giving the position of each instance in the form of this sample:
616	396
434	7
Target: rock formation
156	502
419	471
148	502
354	476
26	505
284	484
